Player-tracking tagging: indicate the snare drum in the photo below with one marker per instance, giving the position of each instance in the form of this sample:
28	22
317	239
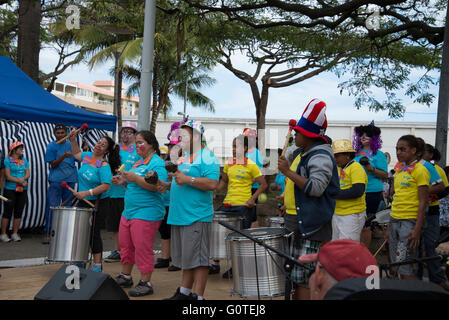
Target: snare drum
258	271
276	222
218	233
70	234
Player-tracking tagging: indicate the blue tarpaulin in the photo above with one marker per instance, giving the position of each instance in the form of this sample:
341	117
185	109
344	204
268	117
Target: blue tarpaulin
23	99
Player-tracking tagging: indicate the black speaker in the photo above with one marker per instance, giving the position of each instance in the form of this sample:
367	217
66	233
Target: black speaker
72	283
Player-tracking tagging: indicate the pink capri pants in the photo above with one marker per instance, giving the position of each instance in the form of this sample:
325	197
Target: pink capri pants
136	239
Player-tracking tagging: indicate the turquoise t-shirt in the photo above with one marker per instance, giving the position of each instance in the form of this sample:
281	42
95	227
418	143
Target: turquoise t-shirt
141	203
434	176
280	180
66	170
189	204
257	157
378	161
16	171
90	177
128	157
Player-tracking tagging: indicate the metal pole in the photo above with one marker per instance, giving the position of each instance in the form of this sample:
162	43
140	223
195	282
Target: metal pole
443	99
117	90
143	122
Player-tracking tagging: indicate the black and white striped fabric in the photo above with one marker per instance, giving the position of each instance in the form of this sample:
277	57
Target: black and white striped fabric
36	136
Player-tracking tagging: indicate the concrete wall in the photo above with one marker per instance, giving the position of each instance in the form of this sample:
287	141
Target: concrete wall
221	131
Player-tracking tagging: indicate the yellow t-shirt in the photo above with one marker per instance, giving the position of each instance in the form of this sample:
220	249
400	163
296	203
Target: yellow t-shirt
352	174
240	179
443	177
406	201
289	193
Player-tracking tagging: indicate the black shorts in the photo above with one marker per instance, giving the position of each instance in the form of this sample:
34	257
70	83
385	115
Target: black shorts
372	200
117	205
164	228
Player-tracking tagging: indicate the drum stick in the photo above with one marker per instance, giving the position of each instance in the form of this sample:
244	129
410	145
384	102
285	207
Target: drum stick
378	250
84	126
291	125
4	199
120	169
65	185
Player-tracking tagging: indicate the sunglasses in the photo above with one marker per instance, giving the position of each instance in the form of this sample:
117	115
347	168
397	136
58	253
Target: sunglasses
129	132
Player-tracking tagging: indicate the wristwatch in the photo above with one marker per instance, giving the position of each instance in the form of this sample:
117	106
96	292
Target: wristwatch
192	180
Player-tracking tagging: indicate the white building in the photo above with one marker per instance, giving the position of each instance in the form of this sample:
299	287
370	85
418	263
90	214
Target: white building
98	97
220	132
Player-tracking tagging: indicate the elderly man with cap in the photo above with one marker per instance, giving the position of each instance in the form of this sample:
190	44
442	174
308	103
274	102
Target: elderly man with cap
314	178
128	156
337	261
191	211
62	168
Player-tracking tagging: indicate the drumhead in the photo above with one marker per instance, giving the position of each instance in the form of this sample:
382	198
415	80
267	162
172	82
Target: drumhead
75	209
383	216
221	215
276	219
258	233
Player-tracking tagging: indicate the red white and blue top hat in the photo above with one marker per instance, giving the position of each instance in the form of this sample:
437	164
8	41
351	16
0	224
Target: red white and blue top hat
313	122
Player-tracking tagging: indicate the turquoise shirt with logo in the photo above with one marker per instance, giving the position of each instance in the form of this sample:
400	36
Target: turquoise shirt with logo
128	157
141	203
189	204
378	161
90	177
16	171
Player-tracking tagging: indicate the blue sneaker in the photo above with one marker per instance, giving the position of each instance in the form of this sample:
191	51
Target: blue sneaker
96	267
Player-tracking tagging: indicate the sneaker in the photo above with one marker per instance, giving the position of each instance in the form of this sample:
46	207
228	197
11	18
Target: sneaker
179	296
228	274
124	282
214	269
4	238
173	268
15	237
142	289
96	267
114	256
162	263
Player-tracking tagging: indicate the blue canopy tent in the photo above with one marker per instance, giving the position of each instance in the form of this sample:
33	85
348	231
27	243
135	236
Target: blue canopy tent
28	113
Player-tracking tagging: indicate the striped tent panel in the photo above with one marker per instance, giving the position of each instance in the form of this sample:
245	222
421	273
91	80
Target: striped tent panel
36	136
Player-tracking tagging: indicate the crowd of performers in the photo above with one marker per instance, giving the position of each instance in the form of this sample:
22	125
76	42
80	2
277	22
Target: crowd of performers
327	191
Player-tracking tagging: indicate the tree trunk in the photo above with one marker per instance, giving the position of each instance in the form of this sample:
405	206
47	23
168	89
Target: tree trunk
28	45
154	104
261	111
443	99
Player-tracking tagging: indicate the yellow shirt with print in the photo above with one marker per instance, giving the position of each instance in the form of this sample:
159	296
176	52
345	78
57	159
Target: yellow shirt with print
443	177
289	193
240	179
406	201
352	174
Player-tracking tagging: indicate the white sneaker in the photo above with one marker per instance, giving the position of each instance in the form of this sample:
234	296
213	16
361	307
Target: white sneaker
4	238
15	237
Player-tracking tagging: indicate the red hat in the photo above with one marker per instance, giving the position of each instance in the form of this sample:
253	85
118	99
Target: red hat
313	122
14	145
343	259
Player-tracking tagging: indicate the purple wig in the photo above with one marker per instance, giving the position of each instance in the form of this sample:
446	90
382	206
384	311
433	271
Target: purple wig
371	131
173	130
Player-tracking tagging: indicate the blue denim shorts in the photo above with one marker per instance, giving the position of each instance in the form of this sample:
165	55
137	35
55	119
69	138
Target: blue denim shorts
400	246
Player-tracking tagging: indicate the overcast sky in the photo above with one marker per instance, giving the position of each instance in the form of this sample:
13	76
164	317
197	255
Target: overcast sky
232	96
